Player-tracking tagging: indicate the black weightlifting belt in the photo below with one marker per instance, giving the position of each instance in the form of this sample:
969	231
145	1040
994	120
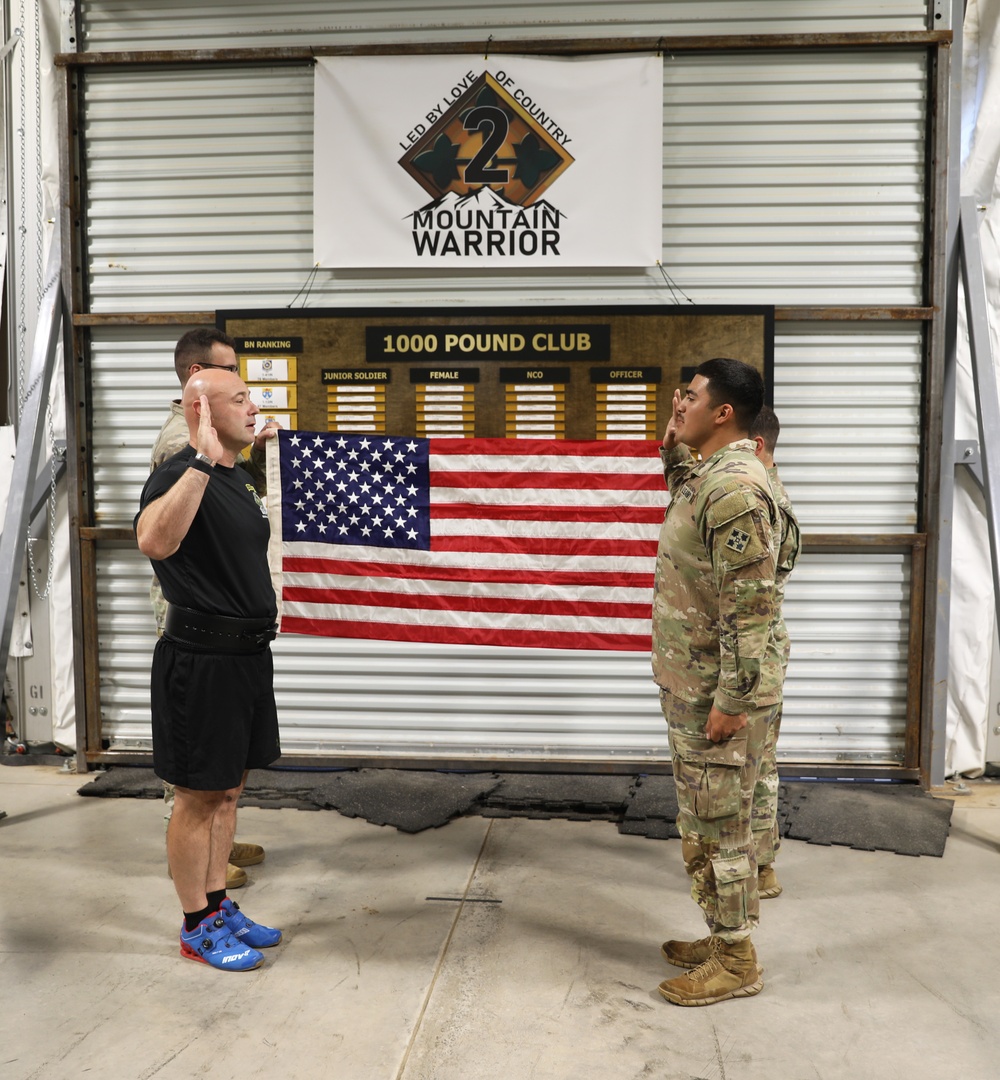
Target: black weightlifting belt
217	632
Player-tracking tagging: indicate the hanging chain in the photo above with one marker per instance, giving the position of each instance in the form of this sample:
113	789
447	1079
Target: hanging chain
39	192
40	288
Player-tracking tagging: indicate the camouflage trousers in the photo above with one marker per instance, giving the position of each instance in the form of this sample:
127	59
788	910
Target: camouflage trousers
168	802
160	612
764	816
715	789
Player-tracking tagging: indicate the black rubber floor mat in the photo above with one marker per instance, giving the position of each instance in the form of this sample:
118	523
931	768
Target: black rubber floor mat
652	810
263	787
121	782
556	795
412	801
869	817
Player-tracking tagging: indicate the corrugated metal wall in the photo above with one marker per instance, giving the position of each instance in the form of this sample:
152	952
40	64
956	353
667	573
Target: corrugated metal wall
786	181
795	178
848	398
800	191
185	24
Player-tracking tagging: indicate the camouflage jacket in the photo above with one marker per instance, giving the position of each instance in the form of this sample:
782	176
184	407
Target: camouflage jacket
714	598
789	545
173	437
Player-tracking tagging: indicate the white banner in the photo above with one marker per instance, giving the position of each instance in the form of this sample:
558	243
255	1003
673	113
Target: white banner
431	161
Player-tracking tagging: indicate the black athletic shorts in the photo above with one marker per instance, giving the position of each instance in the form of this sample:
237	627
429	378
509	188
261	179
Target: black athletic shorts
213	715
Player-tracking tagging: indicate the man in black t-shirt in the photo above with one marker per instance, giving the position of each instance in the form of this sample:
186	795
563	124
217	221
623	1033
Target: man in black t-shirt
198	349
205	531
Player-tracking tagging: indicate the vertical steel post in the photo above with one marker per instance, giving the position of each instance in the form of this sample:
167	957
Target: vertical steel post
945	334
984	379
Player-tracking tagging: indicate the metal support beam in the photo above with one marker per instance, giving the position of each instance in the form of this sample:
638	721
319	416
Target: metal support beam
984	380
9	44
967	454
518	47
945	157
28	446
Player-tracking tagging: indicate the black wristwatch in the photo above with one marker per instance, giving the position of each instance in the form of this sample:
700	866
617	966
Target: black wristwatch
203	463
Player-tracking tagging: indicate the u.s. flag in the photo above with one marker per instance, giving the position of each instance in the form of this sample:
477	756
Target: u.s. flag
518	542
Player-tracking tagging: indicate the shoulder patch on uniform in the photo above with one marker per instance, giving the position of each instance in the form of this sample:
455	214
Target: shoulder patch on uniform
729	502
737	540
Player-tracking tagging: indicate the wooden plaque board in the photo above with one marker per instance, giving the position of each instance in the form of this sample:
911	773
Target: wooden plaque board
569	372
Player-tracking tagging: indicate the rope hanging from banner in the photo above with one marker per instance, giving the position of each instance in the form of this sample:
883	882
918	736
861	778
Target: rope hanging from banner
306	287
672	285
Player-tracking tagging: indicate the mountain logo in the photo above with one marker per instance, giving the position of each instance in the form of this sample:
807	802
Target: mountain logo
487	138
487	224
485	162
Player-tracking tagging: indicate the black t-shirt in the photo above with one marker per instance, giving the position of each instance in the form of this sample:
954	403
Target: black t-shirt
221	566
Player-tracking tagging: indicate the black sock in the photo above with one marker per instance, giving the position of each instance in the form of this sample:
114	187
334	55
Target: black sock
192	918
215	899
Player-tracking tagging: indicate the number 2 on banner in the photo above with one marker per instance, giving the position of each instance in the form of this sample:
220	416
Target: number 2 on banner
495	120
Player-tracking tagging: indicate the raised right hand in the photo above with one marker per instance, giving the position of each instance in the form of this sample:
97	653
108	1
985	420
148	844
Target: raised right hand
670	435
208	438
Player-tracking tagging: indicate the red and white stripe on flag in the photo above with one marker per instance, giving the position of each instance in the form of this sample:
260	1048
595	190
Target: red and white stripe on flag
532	543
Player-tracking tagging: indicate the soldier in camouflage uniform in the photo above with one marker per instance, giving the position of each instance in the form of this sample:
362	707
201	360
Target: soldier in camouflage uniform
716	665
764	819
205	347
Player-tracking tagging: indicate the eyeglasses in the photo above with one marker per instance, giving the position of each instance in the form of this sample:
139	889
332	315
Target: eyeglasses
221	367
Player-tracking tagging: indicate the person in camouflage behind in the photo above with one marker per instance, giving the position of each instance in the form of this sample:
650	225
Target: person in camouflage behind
205	347
764	817
715	662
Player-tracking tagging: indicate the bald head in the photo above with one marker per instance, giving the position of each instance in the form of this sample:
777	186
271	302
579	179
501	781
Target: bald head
230	410
210	382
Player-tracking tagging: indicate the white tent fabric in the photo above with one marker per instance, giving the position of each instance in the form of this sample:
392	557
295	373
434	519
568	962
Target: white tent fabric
61	595
972	610
38	145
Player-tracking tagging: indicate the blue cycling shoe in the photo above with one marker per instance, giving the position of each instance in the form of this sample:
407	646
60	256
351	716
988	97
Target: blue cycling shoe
211	942
245	930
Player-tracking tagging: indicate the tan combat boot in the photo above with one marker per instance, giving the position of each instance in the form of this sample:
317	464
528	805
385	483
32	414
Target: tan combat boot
236	877
245	854
730	972
690	954
687	954
767	883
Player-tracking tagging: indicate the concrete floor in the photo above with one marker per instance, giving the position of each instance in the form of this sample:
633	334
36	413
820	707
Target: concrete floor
876	965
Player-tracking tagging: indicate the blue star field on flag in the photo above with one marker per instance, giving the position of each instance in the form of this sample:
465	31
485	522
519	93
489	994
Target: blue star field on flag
355	489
